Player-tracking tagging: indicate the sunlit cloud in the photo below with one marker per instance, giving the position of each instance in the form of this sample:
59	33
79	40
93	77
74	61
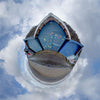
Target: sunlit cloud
83	16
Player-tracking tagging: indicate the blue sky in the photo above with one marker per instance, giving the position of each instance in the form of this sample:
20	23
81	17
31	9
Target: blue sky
9	86
17	17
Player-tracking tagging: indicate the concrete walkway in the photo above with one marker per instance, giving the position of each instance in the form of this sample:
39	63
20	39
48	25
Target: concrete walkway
49	66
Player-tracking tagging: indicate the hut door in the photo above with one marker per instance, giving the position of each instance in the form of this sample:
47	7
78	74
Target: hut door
51	36
70	48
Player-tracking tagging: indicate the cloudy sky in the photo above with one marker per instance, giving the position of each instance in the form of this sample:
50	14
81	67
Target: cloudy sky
17	17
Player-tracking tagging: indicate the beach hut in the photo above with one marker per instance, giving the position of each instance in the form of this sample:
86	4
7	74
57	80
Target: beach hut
48	46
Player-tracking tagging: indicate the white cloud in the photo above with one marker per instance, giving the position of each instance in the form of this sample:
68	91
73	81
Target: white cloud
89	87
83	16
10	55
2	8
13	56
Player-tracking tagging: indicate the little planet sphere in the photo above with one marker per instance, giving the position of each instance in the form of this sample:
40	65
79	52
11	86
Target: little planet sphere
52	48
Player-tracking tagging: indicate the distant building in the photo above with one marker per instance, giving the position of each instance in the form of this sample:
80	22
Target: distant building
52	48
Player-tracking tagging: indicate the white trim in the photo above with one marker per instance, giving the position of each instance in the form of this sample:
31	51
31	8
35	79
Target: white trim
51	14
29	38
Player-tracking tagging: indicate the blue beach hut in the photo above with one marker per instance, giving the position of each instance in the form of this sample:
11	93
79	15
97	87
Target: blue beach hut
52	34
